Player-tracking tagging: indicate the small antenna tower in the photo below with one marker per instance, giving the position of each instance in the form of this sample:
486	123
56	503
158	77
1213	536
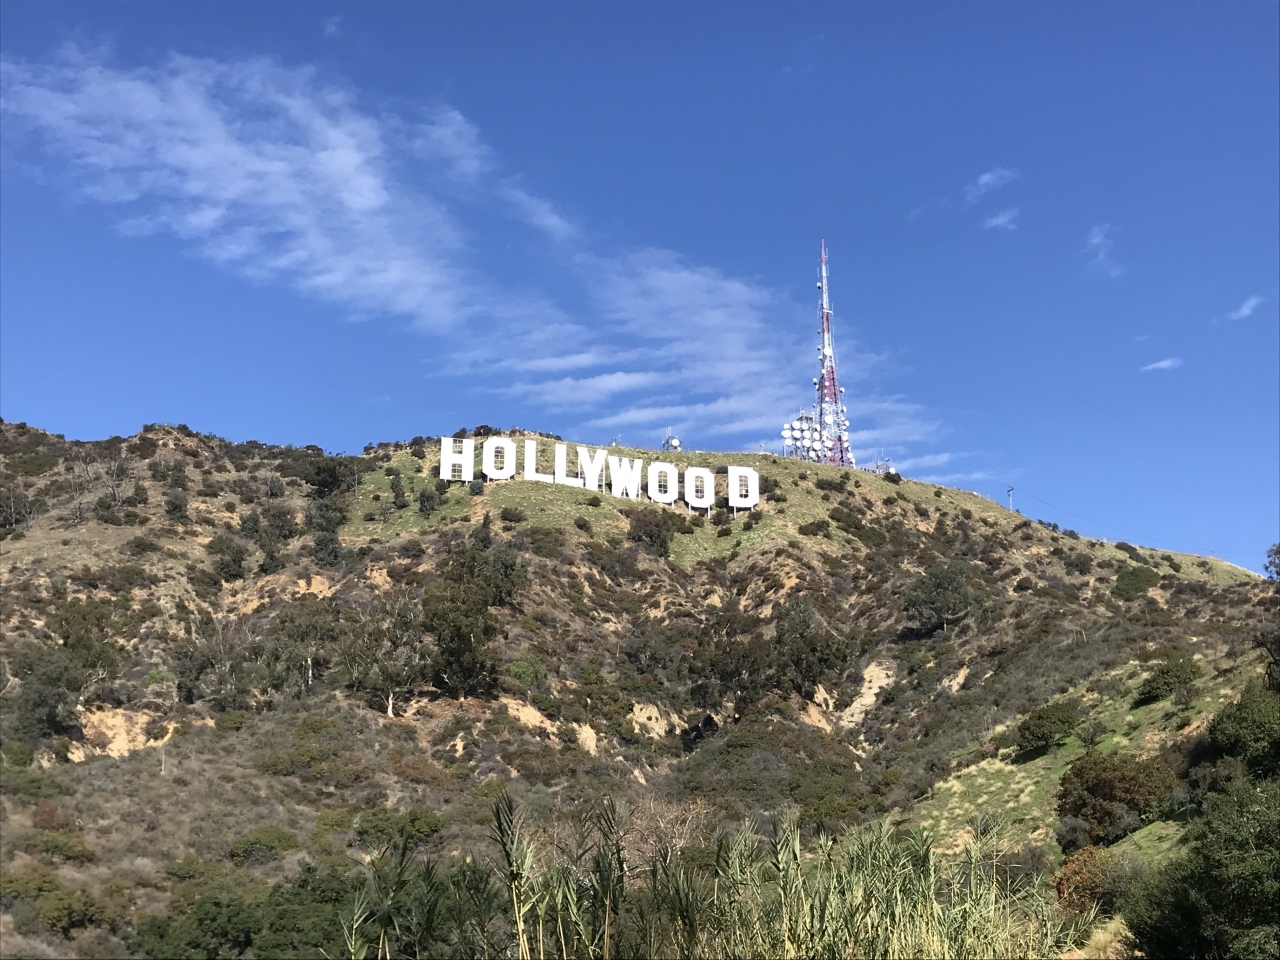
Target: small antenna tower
672	442
1011	500
823	436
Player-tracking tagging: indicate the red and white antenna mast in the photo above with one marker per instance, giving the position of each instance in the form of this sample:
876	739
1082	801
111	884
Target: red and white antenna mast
832	424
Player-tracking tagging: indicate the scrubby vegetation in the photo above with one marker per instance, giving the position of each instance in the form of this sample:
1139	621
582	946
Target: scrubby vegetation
229	668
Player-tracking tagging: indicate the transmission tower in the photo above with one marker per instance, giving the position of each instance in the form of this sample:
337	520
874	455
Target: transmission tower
823	435
832	423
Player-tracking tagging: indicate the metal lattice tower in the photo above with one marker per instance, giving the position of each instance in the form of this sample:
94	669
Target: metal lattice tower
823	435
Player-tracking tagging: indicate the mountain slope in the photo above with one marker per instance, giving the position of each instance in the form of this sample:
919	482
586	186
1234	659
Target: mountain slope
205	639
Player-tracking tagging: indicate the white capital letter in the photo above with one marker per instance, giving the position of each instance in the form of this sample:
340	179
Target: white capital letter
744	488
625	475
699	487
457	459
489	458
562	467
531	463
664	482
591	466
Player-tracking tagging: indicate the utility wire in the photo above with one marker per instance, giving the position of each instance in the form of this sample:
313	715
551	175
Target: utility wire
1127	533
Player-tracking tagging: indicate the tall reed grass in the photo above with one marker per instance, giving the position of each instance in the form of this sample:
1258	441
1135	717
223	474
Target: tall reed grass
870	893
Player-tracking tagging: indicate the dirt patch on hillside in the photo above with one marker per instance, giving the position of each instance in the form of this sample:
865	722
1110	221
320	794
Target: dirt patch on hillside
527	715
875	678
114	732
653	721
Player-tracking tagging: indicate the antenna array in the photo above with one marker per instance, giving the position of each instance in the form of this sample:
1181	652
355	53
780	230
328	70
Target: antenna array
823	435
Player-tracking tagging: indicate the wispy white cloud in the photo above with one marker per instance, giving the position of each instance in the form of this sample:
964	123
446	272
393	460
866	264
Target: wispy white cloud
1004	220
539	213
928	460
1169	363
986	182
332	26
269	171
1098	248
1247	309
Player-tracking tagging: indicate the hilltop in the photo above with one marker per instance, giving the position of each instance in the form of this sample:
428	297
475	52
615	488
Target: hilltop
225	660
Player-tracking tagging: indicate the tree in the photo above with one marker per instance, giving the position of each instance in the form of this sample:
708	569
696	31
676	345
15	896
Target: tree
327	551
1222	898
649	526
1167	679
395	633
457	616
1272	565
1250	730
300	642
940	596
1047	726
1111	794
807	652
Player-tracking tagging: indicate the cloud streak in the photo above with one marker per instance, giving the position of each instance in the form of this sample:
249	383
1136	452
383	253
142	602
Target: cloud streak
270	172
1004	220
1247	309
986	182
1169	363
1097	246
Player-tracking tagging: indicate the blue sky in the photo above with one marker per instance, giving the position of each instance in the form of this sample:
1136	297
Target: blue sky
1053	232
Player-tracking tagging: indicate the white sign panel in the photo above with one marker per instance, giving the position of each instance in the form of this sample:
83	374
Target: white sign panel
627	478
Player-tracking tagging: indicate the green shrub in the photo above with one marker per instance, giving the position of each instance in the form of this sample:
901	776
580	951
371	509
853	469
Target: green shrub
1134	580
1103	798
381	827
16	753
1219	899
1047	726
941	596
232	720
1249	729
262	845
63	845
1167	678
29	783
513	515
527	669
583	524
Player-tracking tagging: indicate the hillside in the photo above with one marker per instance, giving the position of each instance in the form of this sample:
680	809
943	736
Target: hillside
224	661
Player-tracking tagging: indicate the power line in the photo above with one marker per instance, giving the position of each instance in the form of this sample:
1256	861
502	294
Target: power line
1127	533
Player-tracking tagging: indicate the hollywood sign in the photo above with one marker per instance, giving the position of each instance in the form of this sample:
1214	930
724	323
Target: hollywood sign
697	487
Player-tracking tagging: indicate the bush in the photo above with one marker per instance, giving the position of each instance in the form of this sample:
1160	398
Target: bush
1082	881
1111	794
262	845
527	669
941	596
816	528
379	828
1219	899
475	487
17	753
1168	678
651	527
63	845
175	507
513	515
583	524
232	720
1134	580
1249	730
593	501
1047	726
327	551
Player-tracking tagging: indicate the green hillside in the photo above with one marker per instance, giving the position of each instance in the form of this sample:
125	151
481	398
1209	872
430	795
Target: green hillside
228	669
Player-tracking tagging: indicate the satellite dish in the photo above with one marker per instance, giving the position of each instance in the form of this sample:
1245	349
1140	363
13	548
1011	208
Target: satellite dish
826	351
675	443
795	424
